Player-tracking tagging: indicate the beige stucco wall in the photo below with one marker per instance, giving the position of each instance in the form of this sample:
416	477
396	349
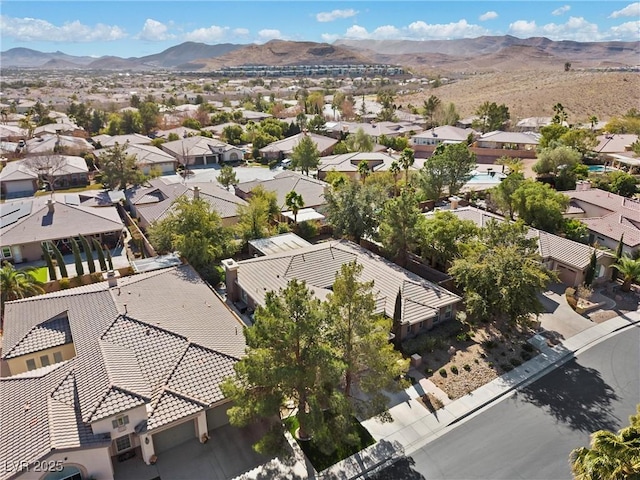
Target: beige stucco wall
93	463
136	415
19	364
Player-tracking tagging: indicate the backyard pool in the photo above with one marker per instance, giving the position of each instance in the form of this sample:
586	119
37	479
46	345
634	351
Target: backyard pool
484	177
601	168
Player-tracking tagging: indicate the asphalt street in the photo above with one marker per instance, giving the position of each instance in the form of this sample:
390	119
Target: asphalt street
529	434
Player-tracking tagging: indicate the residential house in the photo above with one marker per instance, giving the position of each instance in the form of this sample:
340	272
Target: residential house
427	141
533	124
374	129
202	151
281	149
154	201
348	163
58	143
127	368
28	224
616	150
21	178
106	141
569	259
497	140
147	157
181	132
66	127
423	304
607	216
312	190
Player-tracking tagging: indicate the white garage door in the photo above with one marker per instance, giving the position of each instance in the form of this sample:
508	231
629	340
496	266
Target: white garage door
19	186
174	436
217	416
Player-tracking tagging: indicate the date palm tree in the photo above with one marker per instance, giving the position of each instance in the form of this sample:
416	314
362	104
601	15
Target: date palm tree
363	171
16	284
630	271
294	202
610	456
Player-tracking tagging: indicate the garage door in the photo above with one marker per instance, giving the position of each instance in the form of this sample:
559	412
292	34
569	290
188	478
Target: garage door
567	275
217	416
19	186
174	436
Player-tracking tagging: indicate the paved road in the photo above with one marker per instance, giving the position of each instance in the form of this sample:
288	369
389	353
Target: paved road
530	434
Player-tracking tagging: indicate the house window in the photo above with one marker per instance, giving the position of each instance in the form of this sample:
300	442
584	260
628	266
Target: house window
6	252
44	360
447	312
31	364
57	357
243	296
123	443
120	421
48	246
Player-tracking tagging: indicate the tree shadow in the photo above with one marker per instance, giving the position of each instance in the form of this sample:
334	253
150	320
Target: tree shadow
576	396
402	469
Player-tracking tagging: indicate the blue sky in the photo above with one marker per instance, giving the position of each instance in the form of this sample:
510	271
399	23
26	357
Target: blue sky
137	28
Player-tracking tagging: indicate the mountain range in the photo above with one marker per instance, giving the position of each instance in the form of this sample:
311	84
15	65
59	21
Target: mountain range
498	53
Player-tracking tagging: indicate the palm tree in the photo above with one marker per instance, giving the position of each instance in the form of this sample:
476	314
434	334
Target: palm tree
294	202
429	107
16	284
363	171
610	456
630	270
395	170
407	159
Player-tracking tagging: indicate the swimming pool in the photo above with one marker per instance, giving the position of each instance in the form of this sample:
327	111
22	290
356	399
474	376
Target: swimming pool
484	177
601	168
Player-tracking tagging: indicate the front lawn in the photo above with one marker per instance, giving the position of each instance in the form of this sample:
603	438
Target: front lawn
322	461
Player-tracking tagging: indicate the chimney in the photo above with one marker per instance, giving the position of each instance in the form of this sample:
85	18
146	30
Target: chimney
51	205
230	278
454	202
196	193
111	277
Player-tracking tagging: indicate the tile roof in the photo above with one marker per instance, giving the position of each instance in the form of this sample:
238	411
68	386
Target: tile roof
145	154
286	145
319	264
51	333
168	351
312	190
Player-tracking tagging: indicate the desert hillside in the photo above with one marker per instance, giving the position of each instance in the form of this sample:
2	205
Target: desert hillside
533	93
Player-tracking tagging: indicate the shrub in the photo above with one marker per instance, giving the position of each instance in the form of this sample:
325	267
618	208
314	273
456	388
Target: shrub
504	354
570	295
475	360
515	362
443	372
527	347
96	277
307	230
525	355
506	367
428	371
467	367
64	283
489	344
454	369
462	337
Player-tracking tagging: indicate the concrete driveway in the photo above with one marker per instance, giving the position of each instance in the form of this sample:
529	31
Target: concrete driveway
559	317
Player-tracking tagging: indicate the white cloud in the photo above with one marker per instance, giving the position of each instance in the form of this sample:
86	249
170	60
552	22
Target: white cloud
241	32
33	29
575	28
270	34
335	15
459	29
330	37
631	10
154	31
626	31
562	10
488	16
214	33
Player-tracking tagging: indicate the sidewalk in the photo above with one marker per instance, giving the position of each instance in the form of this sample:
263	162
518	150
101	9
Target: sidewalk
413	425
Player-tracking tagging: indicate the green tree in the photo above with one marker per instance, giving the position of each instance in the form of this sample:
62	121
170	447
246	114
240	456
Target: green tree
575	230
591	269
191	123
399	225
429	108
17	284
394	169
580	139
492	116
622	183
232	134
77	257
317	125
130	122
149	116
360	340
433	177
550	135
444	236
538	205
353	209
550	159
407	159
610	456
305	155
101	260
294	203
359	141
286	360
502	194
253	219
629	268
59	260
47	258
559	114
502	276
118	169
227	176
451	166
363	171
194	229
88	254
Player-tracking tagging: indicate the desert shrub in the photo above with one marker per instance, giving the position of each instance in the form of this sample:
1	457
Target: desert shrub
64	283
584	292
467	367
506	367
462	337
570	295
527	347
476	361
432	402
454	369
525	355
428	371
443	372
515	362
489	344
96	277
490	364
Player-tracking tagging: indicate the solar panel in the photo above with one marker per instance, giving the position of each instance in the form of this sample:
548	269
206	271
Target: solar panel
11	213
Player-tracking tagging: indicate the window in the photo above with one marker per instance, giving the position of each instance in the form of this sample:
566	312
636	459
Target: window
6	252
31	364
448	311
48	246
120	421
44	360
57	357
123	443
